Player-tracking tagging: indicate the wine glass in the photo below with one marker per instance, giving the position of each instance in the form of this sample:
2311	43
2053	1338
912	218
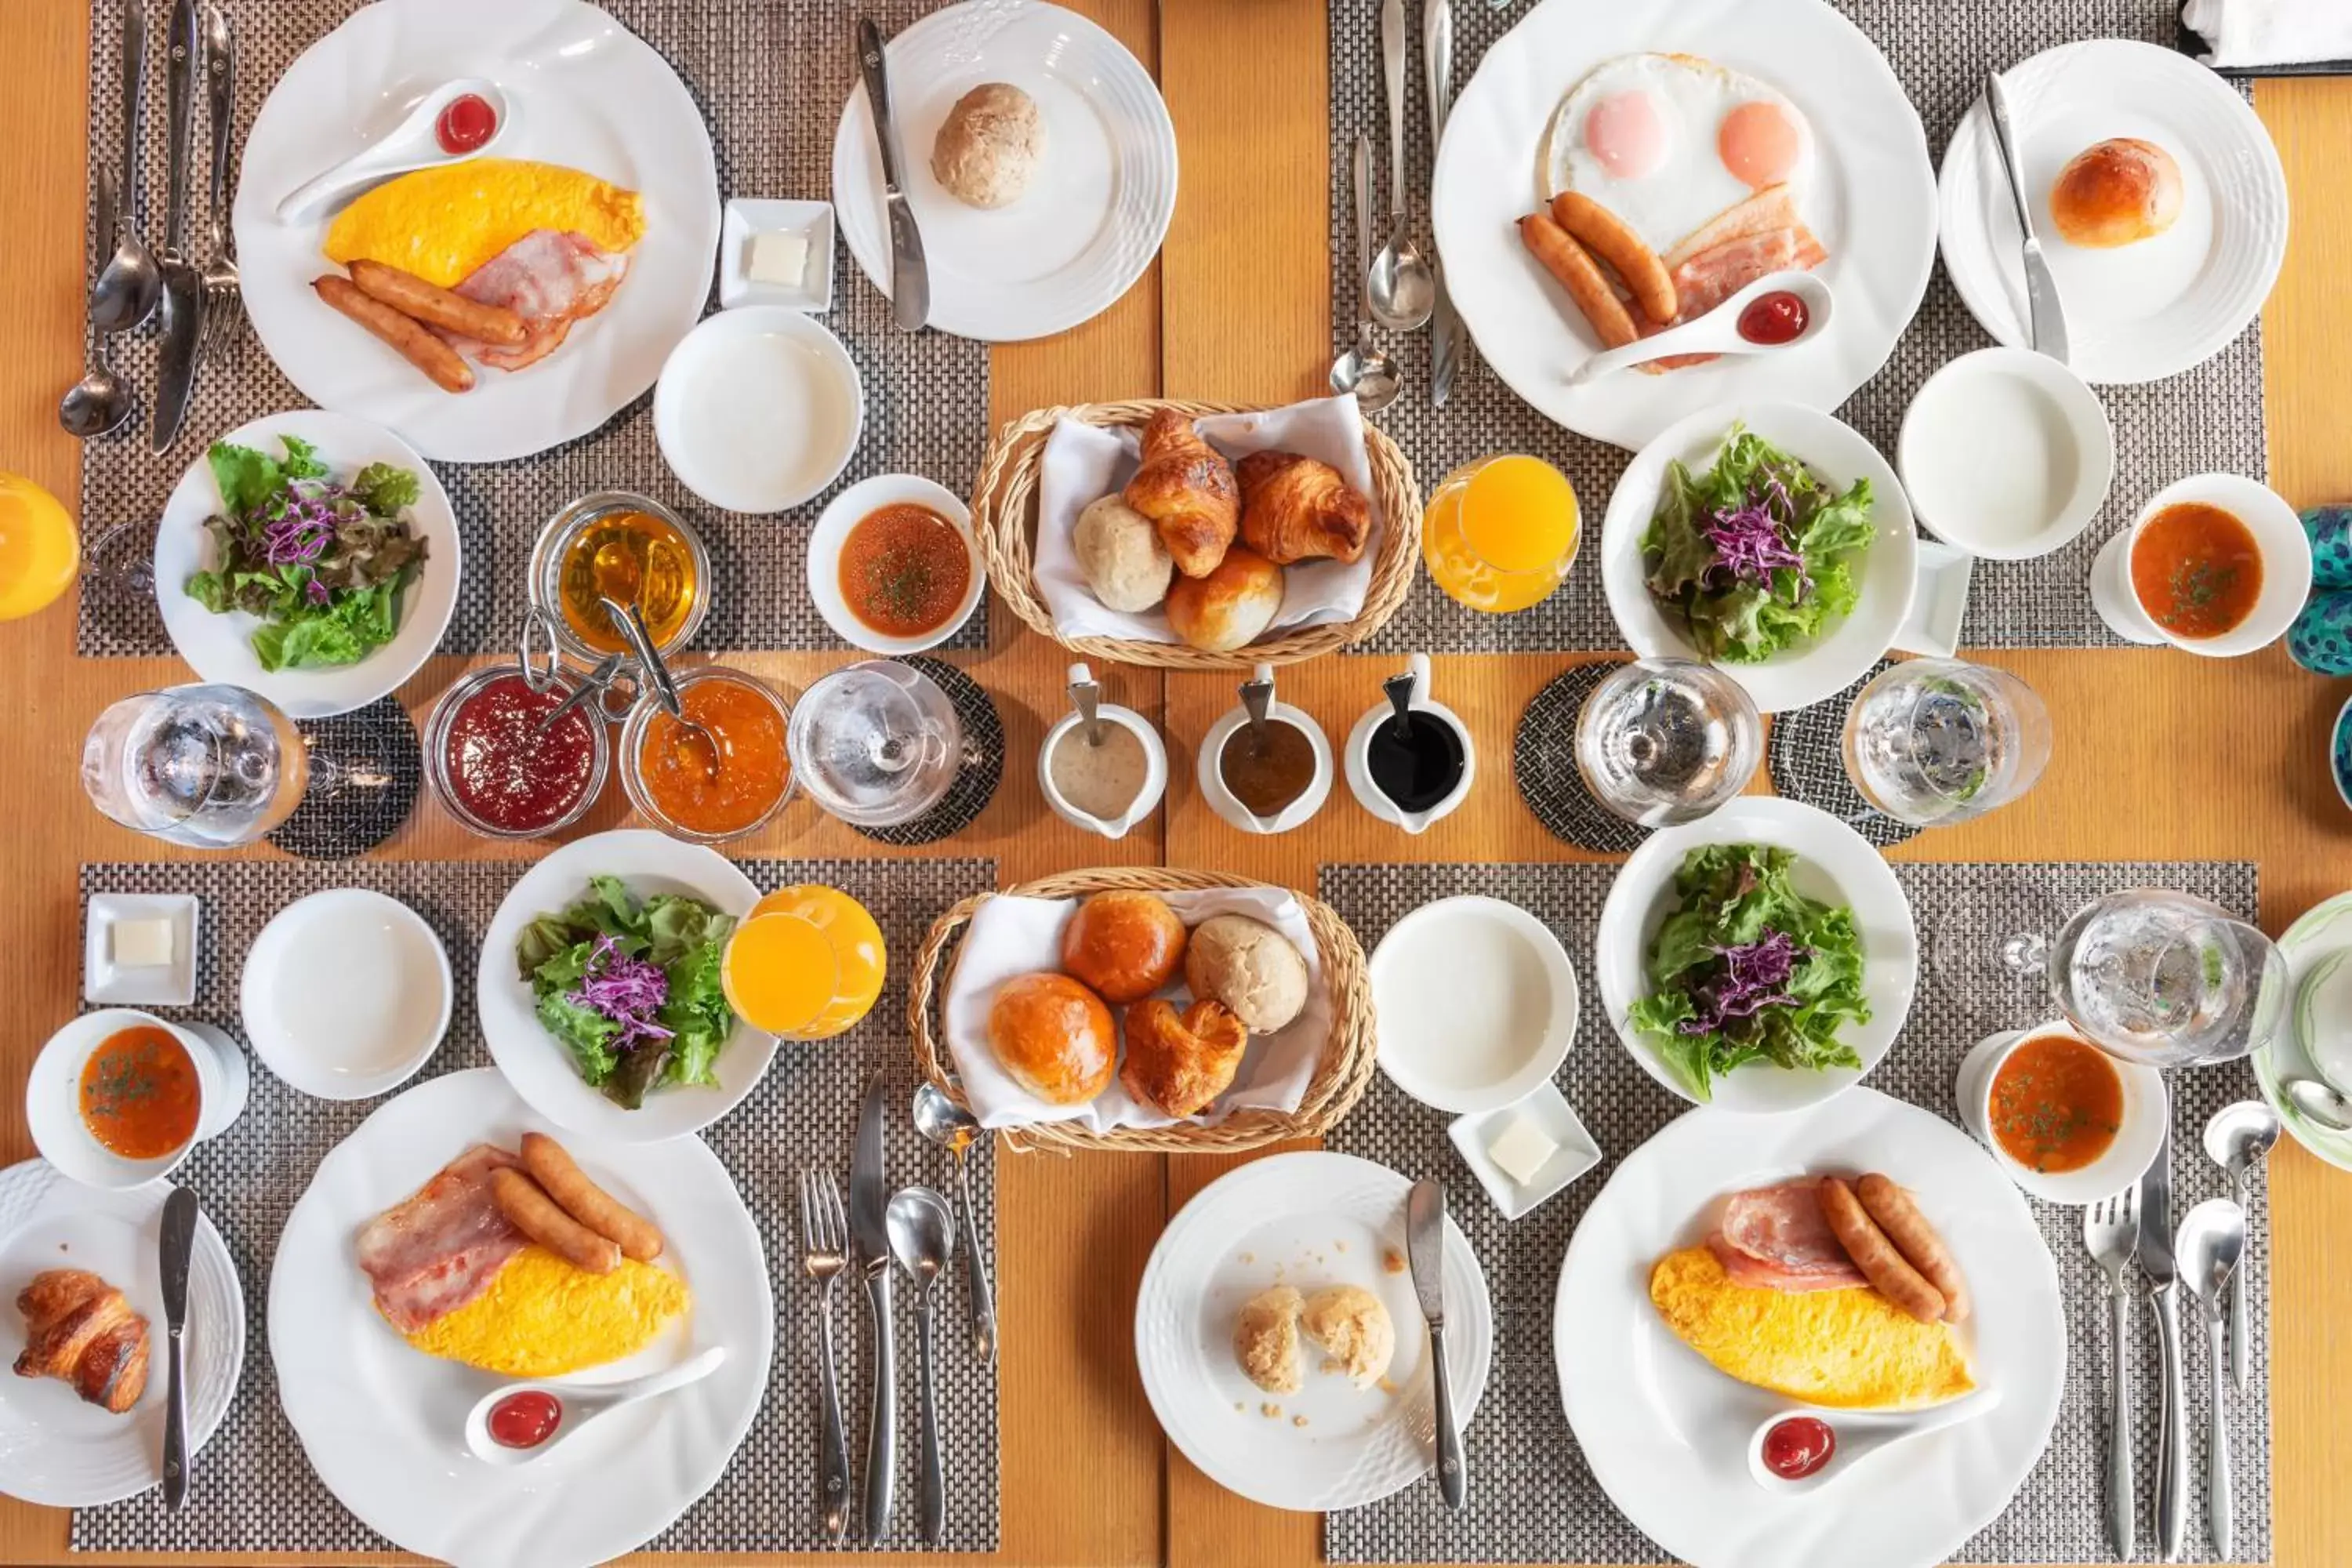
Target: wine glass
1662	741
2167	980
1937	740
210	766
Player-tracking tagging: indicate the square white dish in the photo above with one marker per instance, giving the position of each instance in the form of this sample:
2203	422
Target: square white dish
1557	1120
108	983
745	220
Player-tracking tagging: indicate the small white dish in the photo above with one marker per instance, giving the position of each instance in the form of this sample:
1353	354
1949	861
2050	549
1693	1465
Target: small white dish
1717	332
2278	534
577	1406
744	222
109	983
1574	1154
53	1097
1155	766
2007	454
843	512
2147	1109
1476	1004
345	994
1207	774
414	143
1857	1435
1369	796
1941	606
759	409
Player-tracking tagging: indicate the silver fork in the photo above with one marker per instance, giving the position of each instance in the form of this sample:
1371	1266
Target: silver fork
224	307
824	1257
2111	1232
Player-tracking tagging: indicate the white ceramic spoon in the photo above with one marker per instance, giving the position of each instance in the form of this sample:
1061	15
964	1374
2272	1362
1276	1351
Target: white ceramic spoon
1717	332
581	1405
414	143
1861	1434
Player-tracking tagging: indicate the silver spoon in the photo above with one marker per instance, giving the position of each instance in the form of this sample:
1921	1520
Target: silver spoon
2211	1240
695	743
1400	694
1257	700
101	400
579	1405
1373	376
922	1239
2239	1137
2318	1102
951	1126
132	280
1088	697
1401	285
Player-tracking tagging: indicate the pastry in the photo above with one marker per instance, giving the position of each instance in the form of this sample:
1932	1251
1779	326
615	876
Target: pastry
1188	490
1052	1037
1230	607
989	146
1296	508
2115	193
1265	1339
1249	966
1123	946
1178	1063
1353	1330
1120	550
81	1329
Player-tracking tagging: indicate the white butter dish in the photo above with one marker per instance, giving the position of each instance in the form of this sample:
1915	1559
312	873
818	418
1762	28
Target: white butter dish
1548	1115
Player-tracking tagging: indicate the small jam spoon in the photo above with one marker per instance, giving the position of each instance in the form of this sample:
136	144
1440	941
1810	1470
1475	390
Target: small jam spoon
1860	1433
579	1405
414	143
696	744
1717	332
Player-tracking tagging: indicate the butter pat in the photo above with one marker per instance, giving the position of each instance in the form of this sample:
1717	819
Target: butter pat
142	943
779	259
1521	1149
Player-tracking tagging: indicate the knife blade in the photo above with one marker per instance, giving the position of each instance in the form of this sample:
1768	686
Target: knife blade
1425	1247
869	1202
1445	346
911	279
182	301
179	1246
2047	321
2157	1265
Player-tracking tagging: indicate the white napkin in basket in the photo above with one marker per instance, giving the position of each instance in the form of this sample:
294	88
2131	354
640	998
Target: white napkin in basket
2240	33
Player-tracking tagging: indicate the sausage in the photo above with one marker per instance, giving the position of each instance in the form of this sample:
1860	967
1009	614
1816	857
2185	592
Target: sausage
1915	1239
552	1166
1581	275
415	344
436	306
1612	239
1876	1255
530	1211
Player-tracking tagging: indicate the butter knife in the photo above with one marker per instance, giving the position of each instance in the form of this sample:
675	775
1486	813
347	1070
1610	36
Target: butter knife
2048	322
1425	1247
179	1246
183	303
1445	326
869	1202
2162	1274
910	280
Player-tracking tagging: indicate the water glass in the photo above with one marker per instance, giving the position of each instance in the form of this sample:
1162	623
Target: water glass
1937	740
208	766
2167	980
1662	741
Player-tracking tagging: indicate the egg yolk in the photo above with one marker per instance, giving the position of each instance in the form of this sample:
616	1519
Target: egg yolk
1759	144
1627	134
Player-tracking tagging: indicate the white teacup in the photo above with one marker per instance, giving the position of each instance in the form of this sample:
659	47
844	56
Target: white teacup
53	1097
2278	534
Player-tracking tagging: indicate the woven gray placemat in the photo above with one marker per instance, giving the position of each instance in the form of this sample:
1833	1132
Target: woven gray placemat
2208	418
1532	1496
255	1491
770	79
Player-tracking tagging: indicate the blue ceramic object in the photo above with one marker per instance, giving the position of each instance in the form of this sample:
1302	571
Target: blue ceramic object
2320	638
2329	529
2340	753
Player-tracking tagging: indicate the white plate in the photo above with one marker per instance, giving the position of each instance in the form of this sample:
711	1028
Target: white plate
220	648
1835	864
2325	932
1888	574
55	1449
843	513
535	1061
588	94
1667	1434
2140	311
1321	1219
1872	203
759	409
345	994
1477	1002
1095	212
382	1423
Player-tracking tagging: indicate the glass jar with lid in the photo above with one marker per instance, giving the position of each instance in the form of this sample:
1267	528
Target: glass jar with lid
631	548
876	745
707	793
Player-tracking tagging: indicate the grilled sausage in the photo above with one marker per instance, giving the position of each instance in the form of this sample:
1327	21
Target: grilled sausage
530	1211
552	1166
1876	1255
414	343
1612	239
1581	275
1917	1240
436	306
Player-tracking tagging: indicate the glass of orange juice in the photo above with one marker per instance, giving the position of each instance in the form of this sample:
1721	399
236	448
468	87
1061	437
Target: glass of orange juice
39	551
805	964
1500	533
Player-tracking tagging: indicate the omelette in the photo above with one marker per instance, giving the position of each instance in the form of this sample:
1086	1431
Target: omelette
446	223
541	1317
1849	1349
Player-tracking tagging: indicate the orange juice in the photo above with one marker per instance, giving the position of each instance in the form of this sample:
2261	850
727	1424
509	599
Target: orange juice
807	963
39	553
1499	534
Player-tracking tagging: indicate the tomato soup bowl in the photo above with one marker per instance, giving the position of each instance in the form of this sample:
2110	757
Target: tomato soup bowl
844	512
2278	535
2146	1108
53	1104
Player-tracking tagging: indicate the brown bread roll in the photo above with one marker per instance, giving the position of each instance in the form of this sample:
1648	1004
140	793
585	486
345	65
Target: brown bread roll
2115	193
1123	946
1053	1038
1230	607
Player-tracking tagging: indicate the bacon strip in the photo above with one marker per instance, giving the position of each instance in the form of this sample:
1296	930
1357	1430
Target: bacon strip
1777	1239
440	1247
552	279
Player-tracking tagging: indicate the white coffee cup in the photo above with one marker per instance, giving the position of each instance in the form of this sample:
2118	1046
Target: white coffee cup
2278	534
53	1097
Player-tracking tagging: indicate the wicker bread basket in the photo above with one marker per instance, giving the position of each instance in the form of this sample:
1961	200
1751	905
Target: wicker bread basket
1341	1077
1004	520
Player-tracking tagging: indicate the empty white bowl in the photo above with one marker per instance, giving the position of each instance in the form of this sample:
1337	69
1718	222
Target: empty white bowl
2146	1108
843	512
346	993
759	409
1475	1002
2007	454
53	1097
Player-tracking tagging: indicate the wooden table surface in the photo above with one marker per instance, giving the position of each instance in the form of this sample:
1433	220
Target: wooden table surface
2159	755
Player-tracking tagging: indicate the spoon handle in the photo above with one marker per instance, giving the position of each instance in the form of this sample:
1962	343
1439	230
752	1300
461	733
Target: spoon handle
983	1295
2218	1513
934	1499
134	75
2242	1349
2123	1498
1392	71
1361	174
832	1447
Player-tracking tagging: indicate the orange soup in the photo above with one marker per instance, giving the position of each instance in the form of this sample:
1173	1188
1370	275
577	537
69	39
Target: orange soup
904	570
139	1093
2057	1104
753	767
2197	570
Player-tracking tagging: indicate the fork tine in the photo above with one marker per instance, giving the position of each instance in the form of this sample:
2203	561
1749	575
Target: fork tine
808	1219
838	1217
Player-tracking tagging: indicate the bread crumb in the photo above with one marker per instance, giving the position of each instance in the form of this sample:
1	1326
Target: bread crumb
1339	1246
1393	1260
1385	1386
1298	1420
1249	1258
1269	1410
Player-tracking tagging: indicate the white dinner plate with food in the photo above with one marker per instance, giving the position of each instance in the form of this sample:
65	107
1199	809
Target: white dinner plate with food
1846	141
57	1449
1666	1432
1836	899
384	1422
2159	304
585	95
1803	663
2320	945
222	646
1309	1220
1101	182
545	1069
1477	1002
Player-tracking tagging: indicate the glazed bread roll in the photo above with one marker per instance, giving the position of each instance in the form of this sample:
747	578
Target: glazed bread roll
1178	1063
1053	1038
1120	550
1250	967
2116	192
1123	946
1231	607
1188	490
1298	508
989	145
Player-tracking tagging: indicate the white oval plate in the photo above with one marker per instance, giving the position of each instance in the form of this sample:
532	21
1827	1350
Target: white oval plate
1835	864
1474	947
220	648
1296	1211
383	1423
1095	210
365	984
2323	932
55	1449
2142	312
843	513
1872	203
1665	1433
760	408
588	94
1888	571
535	1061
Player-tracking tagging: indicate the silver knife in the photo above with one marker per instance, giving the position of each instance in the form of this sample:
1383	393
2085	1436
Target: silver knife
2048	323
2157	1266
869	1201
910	280
1445	326
1425	1247
179	1246
183	304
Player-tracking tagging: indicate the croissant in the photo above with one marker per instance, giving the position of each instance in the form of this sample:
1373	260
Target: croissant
1187	489
1295	508
1180	1062
80	1330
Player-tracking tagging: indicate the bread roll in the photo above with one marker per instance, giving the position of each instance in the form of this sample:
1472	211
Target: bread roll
1250	967
989	145
1298	508
2116	192
1231	607
1354	1330
1053	1036
1120	550
1178	1063
1123	946
1266	1338
1188	490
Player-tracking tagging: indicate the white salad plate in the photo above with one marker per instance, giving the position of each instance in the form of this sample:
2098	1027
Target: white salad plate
56	1449
588	94
1872	203
537	1063
1835	864
383	1423
1096	208
1667	1434
220	648
1307	1220
2323	937
2137	312
345	994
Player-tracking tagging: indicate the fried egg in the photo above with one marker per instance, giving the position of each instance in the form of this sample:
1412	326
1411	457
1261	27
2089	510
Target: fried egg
1669	142
445	222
